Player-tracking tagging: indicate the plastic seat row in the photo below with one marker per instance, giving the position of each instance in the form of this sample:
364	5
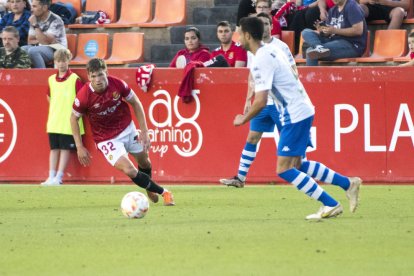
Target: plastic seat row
134	13
126	47
389	45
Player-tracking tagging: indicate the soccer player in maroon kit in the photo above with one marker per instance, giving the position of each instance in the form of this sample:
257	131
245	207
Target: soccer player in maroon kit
104	101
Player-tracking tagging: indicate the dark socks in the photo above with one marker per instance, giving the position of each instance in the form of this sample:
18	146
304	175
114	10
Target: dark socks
144	181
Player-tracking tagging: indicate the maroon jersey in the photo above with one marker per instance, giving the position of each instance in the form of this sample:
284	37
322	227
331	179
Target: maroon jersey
107	112
233	54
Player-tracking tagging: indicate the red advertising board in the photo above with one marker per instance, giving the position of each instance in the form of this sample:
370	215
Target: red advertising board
363	125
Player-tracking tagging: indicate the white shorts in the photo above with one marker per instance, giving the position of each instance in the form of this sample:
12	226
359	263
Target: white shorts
125	142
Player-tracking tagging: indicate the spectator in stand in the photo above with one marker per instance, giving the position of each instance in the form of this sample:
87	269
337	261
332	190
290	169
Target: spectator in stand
411	47
3	8
18	18
246	8
47	34
11	55
392	11
343	35
235	55
194	50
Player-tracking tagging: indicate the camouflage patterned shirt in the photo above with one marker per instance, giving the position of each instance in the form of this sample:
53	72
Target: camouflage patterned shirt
17	59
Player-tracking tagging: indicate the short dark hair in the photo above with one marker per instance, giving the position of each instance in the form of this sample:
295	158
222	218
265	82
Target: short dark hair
95	64
13	30
253	26
224	23
265	15
44	2
195	30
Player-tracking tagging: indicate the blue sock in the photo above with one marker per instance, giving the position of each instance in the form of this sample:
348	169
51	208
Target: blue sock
246	160
320	172
308	186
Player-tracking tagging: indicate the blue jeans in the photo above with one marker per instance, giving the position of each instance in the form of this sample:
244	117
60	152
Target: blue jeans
340	48
39	55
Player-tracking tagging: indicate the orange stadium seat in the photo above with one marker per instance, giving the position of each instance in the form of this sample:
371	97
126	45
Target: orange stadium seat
168	13
77	4
235	37
288	37
91	45
299	57
388	44
133	12
72	39
405	58
108	6
127	48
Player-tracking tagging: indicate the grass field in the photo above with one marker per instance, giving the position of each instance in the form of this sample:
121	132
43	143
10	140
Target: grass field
213	230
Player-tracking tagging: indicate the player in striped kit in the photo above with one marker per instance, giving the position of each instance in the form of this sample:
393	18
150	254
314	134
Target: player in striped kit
104	100
273	74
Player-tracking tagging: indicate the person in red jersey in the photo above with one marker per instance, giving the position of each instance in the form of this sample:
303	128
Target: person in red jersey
104	100
194	50
235	55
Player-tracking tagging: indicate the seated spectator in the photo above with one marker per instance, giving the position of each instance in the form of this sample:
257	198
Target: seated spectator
194	50
411	47
343	35
235	55
392	11
47	33
18	18
11	55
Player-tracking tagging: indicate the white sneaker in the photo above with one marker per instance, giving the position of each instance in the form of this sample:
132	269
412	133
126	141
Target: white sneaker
353	193
46	182
235	182
317	52
326	212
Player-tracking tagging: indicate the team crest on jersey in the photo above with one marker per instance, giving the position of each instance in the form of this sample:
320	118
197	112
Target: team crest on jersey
115	96
110	157
231	55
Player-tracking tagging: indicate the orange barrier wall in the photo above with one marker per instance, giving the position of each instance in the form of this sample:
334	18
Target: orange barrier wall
363	125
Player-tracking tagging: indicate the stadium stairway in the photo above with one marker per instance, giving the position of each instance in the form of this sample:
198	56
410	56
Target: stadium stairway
205	19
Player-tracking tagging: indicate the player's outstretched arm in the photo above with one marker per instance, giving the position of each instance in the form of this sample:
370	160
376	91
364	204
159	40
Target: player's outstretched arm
140	115
260	101
83	153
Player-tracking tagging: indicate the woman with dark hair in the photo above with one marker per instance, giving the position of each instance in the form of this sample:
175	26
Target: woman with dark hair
194	50
18	18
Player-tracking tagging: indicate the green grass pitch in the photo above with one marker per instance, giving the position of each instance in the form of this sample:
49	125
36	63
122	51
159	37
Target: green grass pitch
213	230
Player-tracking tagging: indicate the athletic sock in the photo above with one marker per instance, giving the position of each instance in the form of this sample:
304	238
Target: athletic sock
246	160
320	172
52	174
144	181
147	171
307	185
59	176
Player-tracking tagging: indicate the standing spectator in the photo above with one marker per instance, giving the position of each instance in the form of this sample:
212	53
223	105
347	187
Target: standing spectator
392	11
235	55
106	101
194	50
411	47
11	55
18	18
63	87
344	34
46	34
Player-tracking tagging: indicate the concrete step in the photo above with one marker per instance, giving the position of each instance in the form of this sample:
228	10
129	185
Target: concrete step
165	53
208	34
226	2
211	16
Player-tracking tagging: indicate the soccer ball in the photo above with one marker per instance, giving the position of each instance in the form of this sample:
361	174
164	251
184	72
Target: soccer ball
134	205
